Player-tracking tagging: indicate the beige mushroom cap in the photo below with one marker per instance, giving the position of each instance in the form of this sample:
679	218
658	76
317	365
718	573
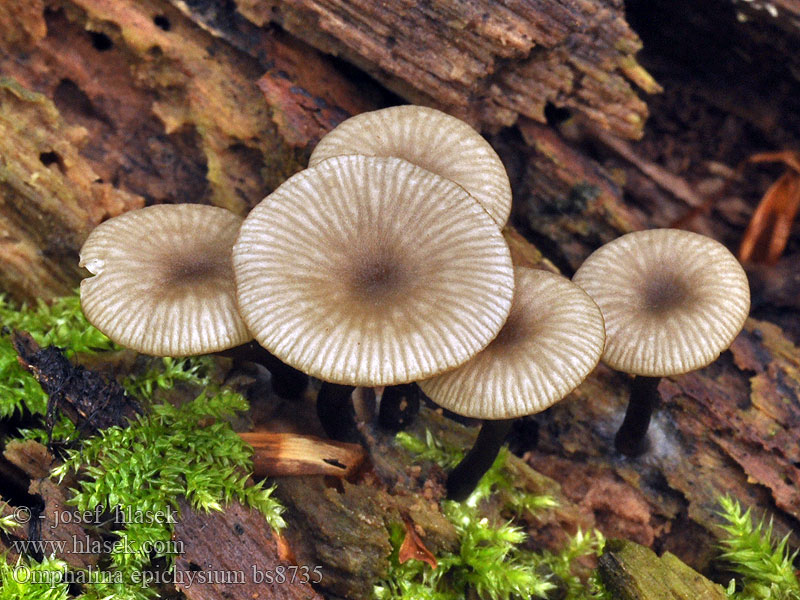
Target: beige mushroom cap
552	340
672	300
163	280
372	271
432	140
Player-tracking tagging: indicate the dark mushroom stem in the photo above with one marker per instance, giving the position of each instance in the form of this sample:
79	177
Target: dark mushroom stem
287	382
631	439
336	413
465	476
399	406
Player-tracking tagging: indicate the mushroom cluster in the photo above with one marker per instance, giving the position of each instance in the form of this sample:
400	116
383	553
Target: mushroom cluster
383	264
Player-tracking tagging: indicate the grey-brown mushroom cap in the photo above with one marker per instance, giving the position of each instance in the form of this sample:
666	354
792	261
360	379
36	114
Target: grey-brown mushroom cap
163	280
672	300
552	340
372	271
429	139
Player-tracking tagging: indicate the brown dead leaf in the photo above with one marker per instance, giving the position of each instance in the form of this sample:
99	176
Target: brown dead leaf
770	226
413	547
768	232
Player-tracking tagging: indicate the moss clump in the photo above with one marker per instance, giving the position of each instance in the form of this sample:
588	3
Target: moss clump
491	560
154	463
172	453
765	567
46	580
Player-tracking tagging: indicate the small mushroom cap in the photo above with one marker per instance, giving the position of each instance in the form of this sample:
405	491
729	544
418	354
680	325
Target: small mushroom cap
163	280
672	300
429	139
372	271
552	340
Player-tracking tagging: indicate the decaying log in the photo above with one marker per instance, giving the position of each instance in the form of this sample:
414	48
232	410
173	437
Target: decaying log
731	428
666	499
486	61
345	526
633	572
116	104
45	521
50	197
567	203
235	555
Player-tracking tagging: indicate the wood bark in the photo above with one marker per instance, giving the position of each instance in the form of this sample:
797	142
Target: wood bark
233	555
107	107
633	572
488	62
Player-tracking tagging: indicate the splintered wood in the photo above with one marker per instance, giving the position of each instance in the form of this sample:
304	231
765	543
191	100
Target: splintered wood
292	454
90	401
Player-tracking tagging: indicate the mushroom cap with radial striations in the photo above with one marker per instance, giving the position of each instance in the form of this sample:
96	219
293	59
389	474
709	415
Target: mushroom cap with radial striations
372	271
429	139
552	340
672	300
163	280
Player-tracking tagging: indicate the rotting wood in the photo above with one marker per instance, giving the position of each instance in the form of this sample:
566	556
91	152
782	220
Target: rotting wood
107	111
731	428
68	539
90	401
160	124
50	197
567	202
487	62
235	555
633	572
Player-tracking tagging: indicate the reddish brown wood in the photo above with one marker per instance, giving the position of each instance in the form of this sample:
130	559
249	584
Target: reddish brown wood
236	555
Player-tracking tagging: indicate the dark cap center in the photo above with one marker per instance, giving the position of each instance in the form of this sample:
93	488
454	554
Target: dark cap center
665	291
376	278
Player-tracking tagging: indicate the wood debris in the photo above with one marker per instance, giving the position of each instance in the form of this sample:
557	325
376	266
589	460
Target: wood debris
293	454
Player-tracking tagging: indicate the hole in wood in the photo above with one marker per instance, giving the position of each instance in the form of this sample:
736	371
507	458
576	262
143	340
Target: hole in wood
334	463
51	158
162	22
555	115
100	41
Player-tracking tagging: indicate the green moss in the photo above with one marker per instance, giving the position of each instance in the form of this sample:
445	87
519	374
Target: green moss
491	560
9	522
430	449
33	580
171	453
196	370
765	567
